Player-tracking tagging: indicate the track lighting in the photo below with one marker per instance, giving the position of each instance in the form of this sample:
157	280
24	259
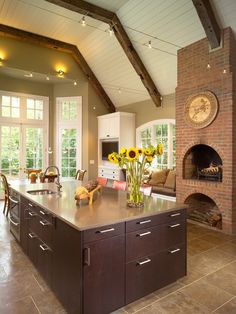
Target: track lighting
150	44
83	22
111	31
60	73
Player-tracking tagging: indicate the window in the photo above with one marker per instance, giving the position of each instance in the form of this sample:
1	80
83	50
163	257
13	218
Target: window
69	113
10	107
159	131
34	109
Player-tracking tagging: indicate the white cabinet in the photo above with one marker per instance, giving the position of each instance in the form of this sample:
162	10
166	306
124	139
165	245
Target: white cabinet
119	127
108	126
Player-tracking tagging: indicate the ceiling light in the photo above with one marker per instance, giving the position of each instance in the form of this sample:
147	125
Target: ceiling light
75	83
150	44
60	73
47	78
28	74
111	31
83	22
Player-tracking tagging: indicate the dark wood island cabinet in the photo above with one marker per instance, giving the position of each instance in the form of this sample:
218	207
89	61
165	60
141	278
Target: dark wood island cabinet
96	267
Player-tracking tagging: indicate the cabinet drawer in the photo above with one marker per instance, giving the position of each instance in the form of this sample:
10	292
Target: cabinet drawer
45	231
103	232
155	239
151	221
108	171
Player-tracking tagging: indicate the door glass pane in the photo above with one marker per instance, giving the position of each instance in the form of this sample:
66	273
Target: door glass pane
34	148
68	153
9	150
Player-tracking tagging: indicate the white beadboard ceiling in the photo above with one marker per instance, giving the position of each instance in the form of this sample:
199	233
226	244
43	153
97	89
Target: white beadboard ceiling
171	24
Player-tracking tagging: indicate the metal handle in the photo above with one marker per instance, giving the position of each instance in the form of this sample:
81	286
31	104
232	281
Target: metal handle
13	201
32	235
176	214
32	214
44	223
30	205
106	230
44	247
42	212
144	222
148	260
143	234
174	226
174	251
87	256
13	222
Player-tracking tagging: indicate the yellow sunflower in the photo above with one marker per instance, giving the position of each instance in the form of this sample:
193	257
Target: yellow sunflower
159	149
149	158
123	151
112	158
147	152
140	151
132	153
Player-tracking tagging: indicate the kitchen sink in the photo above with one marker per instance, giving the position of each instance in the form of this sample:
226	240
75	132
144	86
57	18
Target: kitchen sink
41	192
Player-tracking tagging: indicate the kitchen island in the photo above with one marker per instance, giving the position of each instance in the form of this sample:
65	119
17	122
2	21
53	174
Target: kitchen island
99	257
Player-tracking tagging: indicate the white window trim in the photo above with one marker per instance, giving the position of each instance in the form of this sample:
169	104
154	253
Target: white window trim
152	124
70	124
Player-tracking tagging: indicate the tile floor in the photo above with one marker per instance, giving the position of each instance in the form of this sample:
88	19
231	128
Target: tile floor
209	287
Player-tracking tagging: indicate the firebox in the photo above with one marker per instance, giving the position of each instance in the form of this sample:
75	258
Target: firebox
202	162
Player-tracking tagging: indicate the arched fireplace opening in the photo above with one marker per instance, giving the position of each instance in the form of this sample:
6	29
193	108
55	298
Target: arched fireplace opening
204	210
202	162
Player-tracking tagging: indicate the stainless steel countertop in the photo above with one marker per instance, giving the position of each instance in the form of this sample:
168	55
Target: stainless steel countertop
109	207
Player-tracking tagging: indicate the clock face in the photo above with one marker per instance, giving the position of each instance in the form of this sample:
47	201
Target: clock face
201	109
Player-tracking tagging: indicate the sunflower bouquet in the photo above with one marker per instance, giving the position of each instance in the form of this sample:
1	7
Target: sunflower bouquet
135	161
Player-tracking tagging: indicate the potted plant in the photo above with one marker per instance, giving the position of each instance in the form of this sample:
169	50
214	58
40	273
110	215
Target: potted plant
41	177
51	176
33	177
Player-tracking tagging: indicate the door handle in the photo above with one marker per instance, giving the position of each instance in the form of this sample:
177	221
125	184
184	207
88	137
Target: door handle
87	257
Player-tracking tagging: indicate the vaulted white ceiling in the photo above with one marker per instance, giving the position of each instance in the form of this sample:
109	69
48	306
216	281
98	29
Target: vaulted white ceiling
169	24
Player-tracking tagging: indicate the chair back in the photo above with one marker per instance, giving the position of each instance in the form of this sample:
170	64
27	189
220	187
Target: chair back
119	185
80	175
102	181
5	184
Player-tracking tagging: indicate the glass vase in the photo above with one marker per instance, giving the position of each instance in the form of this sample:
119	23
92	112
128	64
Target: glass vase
135	197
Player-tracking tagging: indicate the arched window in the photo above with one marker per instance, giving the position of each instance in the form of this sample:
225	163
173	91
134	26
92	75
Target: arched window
159	131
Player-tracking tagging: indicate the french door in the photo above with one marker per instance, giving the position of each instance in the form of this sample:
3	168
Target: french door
22	147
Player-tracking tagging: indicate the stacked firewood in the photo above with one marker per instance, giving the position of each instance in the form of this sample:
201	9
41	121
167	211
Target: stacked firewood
210	170
211	217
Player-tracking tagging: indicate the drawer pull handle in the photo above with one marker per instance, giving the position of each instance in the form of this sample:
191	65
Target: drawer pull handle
32	214
143	234
30	205
106	230
32	235
44	247
174	251
42	212
148	260
44	223
13	222
13	201
174	226
144	222
176	214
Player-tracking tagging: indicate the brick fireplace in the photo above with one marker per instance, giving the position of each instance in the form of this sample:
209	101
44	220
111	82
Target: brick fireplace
201	70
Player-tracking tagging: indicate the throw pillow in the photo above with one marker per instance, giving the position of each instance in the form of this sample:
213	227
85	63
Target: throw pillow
158	177
170	180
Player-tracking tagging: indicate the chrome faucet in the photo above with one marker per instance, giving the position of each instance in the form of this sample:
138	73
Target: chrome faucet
58	184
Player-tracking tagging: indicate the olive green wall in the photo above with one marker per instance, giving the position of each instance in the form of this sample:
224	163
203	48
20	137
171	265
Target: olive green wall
146	110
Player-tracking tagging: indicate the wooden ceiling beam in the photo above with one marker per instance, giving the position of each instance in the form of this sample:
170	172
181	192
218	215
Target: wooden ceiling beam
209	22
111	18
85	8
46	42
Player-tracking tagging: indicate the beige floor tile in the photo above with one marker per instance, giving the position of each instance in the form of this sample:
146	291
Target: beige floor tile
23	306
191	277
169	289
231	268
227	308
214	239
47	303
197	246
206	294
228	247
137	305
223	280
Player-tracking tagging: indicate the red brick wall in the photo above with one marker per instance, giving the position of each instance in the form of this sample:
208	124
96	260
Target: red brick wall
194	77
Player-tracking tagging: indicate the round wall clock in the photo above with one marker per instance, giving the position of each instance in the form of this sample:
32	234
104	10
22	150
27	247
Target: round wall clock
201	109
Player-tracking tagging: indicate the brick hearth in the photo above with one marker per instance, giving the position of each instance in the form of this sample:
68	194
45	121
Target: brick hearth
195	77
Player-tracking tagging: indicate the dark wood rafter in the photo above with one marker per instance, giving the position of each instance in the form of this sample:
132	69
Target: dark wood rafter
209	22
111	18
11	32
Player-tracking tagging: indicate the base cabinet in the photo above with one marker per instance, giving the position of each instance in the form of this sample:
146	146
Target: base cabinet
98	271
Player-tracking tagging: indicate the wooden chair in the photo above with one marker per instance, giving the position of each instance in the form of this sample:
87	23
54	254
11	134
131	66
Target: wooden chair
119	185
5	184
80	175
102	181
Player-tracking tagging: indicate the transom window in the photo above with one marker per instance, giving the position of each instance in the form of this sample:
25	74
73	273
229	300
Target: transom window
34	108
10	107
159	131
